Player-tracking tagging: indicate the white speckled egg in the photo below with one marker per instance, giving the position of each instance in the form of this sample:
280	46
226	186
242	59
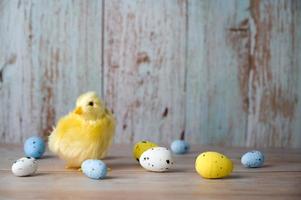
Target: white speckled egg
25	166
157	159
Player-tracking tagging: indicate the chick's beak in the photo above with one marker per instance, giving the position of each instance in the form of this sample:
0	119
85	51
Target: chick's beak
78	110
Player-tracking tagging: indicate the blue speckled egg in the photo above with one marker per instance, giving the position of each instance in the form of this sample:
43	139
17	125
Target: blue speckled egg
252	159
179	146
34	147
95	169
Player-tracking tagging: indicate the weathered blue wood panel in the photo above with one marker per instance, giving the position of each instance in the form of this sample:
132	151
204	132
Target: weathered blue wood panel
273	75
244	72
225	72
144	68
50	53
216	110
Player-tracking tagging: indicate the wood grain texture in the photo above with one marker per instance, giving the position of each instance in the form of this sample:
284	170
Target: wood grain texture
50	53
215	105
144	68
280	178
245	86
273	75
296	33
225	72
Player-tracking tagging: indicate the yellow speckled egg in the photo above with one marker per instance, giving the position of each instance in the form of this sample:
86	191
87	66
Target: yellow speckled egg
141	147
213	165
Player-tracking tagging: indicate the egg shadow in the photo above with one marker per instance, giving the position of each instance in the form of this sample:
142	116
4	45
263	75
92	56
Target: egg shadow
265	166
117	166
233	177
40	174
257	168
191	153
112	158
176	171
108	178
47	157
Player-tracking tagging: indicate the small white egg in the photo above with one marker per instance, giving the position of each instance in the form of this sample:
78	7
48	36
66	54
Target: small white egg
25	166
157	159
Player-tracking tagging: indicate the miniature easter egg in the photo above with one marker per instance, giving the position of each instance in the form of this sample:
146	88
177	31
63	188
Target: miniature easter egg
157	159
179	146
141	147
94	169
213	165
34	147
24	166
252	159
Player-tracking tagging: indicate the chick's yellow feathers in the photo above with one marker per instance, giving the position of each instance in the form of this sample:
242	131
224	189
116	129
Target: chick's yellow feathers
85	133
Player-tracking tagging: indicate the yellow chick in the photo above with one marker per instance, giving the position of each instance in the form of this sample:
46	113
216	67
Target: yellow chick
85	133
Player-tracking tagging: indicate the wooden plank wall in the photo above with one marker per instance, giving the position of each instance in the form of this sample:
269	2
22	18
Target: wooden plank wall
225	72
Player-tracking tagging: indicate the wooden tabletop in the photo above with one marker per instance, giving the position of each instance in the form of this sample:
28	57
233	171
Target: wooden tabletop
280	178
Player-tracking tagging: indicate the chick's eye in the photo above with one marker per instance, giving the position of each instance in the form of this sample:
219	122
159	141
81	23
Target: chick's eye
91	103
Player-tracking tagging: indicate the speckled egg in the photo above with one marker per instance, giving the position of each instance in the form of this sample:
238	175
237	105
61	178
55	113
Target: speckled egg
25	166
213	165
179	146
94	169
141	147
252	159
34	147
157	159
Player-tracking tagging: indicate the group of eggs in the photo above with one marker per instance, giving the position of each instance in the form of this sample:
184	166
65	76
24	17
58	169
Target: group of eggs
150	156
158	159
34	148
207	164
